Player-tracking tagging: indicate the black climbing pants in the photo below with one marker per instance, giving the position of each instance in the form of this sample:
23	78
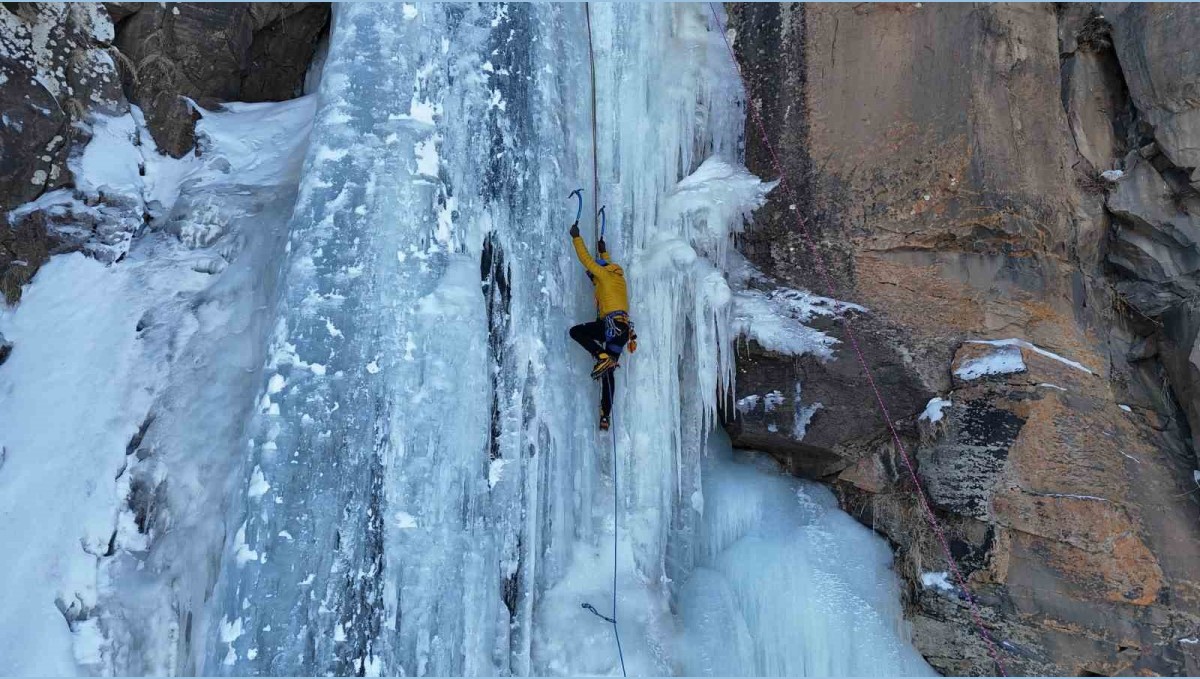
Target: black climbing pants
591	336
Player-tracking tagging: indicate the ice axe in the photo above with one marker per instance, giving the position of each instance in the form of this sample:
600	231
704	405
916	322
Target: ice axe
578	194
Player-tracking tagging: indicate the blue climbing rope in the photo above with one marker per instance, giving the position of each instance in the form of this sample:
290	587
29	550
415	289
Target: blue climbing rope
616	520
578	193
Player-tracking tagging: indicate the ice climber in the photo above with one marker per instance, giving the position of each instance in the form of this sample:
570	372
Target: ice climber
606	337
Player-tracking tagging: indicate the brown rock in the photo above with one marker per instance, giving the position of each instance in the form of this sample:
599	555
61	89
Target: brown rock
32	131
282	49
1156	43
211	53
945	161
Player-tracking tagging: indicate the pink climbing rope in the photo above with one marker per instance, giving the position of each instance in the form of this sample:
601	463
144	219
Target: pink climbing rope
934	524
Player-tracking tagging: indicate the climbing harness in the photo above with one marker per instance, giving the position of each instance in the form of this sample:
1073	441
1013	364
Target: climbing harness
922	499
612	331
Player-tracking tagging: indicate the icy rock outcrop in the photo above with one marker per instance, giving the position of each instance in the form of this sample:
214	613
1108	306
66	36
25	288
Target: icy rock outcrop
55	64
214	52
64	65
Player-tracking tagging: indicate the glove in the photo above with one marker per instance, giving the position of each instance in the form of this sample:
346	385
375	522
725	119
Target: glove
575	230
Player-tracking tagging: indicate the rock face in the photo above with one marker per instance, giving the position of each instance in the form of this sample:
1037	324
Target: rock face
214	52
946	162
56	65
63	63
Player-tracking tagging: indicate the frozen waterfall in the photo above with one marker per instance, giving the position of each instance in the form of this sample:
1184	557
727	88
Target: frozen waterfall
439	501
424	491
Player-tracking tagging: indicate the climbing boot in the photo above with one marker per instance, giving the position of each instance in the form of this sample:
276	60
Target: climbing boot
604	423
604	363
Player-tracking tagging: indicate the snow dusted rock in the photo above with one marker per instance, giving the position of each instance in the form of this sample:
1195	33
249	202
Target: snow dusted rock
54	66
5	350
61	79
823	389
797	384
212	53
976	361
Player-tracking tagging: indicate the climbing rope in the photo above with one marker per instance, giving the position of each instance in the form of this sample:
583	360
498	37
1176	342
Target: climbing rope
923	500
616	522
598	226
587	11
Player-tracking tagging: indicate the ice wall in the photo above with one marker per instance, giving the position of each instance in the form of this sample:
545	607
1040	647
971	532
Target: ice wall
425	491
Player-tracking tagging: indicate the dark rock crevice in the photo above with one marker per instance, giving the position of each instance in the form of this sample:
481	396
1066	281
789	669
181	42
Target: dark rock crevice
214	52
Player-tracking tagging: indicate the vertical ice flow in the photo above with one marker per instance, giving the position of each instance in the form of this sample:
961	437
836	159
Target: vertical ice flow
426	490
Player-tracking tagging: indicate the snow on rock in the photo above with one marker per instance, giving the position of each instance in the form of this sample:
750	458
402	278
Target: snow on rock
748	403
776	318
1001	361
939	580
1112	175
934	409
802	415
1013	342
772	400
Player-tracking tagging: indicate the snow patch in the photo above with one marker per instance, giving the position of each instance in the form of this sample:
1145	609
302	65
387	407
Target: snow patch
496	471
939	580
1002	361
1013	342
258	484
934	409
776	318
801	415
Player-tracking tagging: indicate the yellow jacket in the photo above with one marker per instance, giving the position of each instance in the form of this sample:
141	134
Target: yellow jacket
611	293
